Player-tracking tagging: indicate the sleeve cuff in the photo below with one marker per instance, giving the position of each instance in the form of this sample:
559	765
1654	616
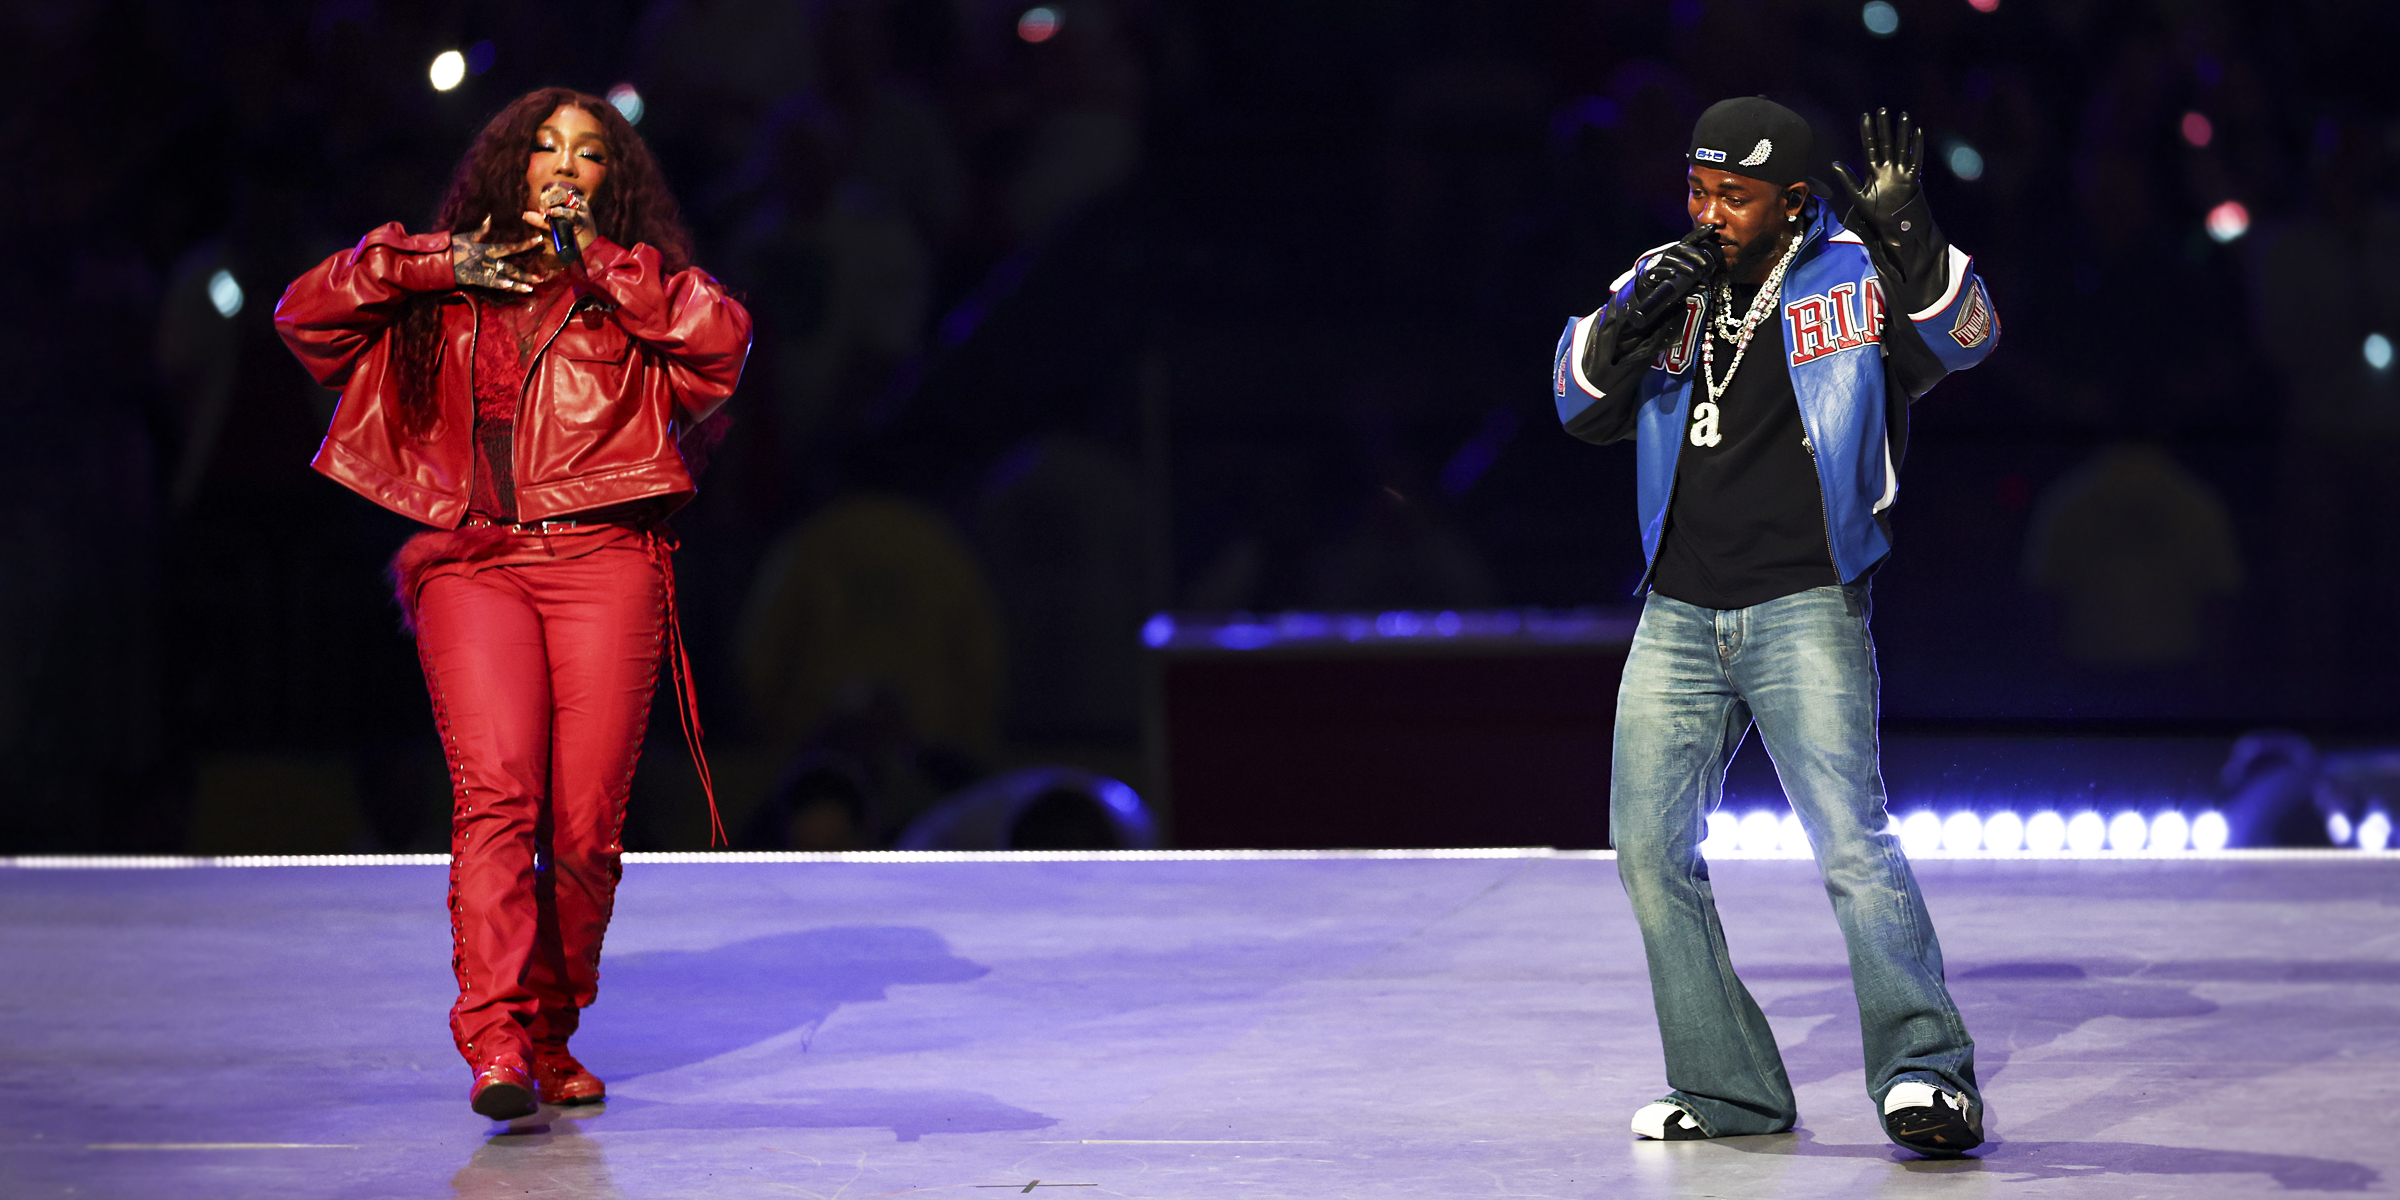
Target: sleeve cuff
1958	266
1575	350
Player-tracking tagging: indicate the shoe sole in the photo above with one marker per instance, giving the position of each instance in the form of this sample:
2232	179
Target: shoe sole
502	1101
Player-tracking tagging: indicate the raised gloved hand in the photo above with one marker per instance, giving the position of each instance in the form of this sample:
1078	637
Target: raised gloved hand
1889	213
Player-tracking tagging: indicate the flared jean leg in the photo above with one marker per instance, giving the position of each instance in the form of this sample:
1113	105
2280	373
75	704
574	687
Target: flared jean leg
1809	673
1679	720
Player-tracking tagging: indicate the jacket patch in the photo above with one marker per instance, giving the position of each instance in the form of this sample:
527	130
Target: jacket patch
1677	359
1974	321
1846	317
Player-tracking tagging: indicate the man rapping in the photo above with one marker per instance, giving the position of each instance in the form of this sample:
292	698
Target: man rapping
1764	367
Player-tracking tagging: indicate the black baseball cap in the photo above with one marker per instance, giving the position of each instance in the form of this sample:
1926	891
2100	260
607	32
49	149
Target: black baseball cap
1752	136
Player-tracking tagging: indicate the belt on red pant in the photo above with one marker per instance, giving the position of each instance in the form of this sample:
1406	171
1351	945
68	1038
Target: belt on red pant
662	547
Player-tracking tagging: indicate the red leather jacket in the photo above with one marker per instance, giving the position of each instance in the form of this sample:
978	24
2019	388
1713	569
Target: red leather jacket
641	357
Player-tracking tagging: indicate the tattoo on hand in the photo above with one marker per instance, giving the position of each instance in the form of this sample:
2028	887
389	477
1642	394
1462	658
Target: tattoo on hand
477	263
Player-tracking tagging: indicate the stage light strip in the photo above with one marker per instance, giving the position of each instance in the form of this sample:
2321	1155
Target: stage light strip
104	862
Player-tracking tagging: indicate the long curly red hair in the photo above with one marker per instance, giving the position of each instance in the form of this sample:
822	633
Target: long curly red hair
633	208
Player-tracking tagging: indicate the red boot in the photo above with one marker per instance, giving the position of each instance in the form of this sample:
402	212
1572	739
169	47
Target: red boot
563	1080
503	1089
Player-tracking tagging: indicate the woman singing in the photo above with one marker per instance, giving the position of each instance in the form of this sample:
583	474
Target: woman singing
523	392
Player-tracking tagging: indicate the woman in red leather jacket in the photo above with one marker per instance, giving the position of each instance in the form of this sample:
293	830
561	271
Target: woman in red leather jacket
525	395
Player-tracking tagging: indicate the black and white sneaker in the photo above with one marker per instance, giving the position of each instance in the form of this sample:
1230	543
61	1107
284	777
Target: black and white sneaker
1931	1121
1660	1121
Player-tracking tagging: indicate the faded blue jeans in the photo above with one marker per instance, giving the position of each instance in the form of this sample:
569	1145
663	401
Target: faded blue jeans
1802	667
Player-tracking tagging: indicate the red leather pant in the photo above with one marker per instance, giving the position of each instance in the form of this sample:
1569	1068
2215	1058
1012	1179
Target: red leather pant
541	670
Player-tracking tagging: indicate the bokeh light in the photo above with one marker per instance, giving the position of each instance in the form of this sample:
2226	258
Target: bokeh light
2375	832
2228	221
2337	828
1792	837
449	67
2196	128
1882	19
1761	832
2378	351
2210	831
1040	24
1965	162
1921	833
1963	831
2169	831
627	102
2086	833
1723	831
225	292
2005	832
2128	831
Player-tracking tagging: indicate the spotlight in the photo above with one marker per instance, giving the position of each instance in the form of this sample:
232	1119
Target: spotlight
2209	831
1760	832
1963	831
1790	837
627	102
1882	19
2004	831
2086	833
2196	129
2337	827
2378	351
225	292
1158	630
2127	831
2046	833
1921	833
1723	830
2169	831
449	67
2375	832
1984	6
1040	24
2228	221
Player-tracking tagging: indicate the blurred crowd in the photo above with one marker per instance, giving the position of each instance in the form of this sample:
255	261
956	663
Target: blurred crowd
1073	312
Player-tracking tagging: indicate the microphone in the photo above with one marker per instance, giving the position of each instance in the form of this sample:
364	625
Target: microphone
562	230
562	241
1683	275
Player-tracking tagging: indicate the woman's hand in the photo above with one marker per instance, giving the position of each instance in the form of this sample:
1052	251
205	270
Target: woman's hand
475	262
560	202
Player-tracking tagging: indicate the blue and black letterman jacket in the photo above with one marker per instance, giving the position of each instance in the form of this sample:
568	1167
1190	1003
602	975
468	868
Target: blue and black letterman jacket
1854	372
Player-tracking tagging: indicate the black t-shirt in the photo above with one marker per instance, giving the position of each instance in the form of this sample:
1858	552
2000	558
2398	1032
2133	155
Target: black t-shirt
1747	522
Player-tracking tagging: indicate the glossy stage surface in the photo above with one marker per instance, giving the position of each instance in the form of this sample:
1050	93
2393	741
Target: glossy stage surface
1315	1027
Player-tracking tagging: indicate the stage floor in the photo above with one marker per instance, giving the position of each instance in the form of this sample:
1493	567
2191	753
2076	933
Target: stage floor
1279	1027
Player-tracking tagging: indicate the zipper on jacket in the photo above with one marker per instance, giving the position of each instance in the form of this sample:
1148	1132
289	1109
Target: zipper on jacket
516	439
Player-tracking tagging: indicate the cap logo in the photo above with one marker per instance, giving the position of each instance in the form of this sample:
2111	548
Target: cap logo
1705	154
1758	153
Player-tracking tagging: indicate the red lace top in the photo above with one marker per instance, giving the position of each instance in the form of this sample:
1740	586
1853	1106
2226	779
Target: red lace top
511	332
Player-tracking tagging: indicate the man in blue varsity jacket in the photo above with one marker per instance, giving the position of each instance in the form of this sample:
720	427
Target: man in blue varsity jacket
1764	367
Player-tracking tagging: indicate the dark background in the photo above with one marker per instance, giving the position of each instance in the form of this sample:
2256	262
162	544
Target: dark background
1191	306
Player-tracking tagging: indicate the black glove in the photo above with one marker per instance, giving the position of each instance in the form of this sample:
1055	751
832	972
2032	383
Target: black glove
1677	272
1890	215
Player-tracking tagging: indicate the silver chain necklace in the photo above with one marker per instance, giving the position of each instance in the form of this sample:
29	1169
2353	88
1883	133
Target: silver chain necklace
1769	297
